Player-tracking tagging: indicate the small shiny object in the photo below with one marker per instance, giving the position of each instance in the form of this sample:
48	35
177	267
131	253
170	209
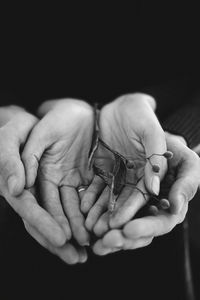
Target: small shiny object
164	204
130	164
156	168
168	154
153	210
82	188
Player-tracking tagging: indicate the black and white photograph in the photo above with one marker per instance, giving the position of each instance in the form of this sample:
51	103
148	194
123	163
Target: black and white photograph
100	151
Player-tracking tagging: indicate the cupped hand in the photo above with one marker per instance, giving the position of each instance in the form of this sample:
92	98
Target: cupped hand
56	154
16	126
129	126
182	178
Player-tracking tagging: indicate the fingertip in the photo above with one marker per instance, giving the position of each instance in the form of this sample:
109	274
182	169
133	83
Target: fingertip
82	237
89	224
99	249
59	239
68	254
85	207
101	226
67	230
113	239
83	255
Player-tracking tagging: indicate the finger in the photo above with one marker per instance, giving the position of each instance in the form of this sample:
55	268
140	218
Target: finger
70	201
37	142
153	225
154	143
27	207
82	254
186	183
67	252
45	107
129	205
99	249
108	246
12	172
51	202
102	225
98	209
92	193
115	239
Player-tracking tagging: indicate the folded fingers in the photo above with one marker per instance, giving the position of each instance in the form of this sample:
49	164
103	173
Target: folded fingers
71	205
68	253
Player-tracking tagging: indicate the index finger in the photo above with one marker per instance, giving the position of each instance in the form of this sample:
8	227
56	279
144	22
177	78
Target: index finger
127	207
157	225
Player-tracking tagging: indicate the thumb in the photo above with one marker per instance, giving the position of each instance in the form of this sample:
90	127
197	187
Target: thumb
32	153
155	146
12	173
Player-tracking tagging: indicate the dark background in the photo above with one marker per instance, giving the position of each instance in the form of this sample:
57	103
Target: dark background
96	54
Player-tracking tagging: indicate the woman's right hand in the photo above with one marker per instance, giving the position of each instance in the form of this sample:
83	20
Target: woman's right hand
16	126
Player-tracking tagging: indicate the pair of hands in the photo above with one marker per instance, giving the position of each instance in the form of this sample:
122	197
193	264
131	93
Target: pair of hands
55	150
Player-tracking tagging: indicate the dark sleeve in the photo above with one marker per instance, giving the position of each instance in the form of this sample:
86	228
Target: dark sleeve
186	122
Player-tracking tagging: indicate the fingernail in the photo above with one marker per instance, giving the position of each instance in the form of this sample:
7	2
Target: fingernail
86	244
155	185
12	184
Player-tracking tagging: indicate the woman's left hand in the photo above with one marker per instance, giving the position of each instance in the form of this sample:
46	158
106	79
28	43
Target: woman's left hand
139	232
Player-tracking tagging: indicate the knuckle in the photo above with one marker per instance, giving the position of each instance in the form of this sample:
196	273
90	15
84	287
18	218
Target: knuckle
98	207
137	97
8	165
77	107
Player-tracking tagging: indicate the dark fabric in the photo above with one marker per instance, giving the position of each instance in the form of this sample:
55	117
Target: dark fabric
185	122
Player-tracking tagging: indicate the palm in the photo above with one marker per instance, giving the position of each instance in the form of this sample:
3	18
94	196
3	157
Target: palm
130	127
117	133
65	161
59	146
